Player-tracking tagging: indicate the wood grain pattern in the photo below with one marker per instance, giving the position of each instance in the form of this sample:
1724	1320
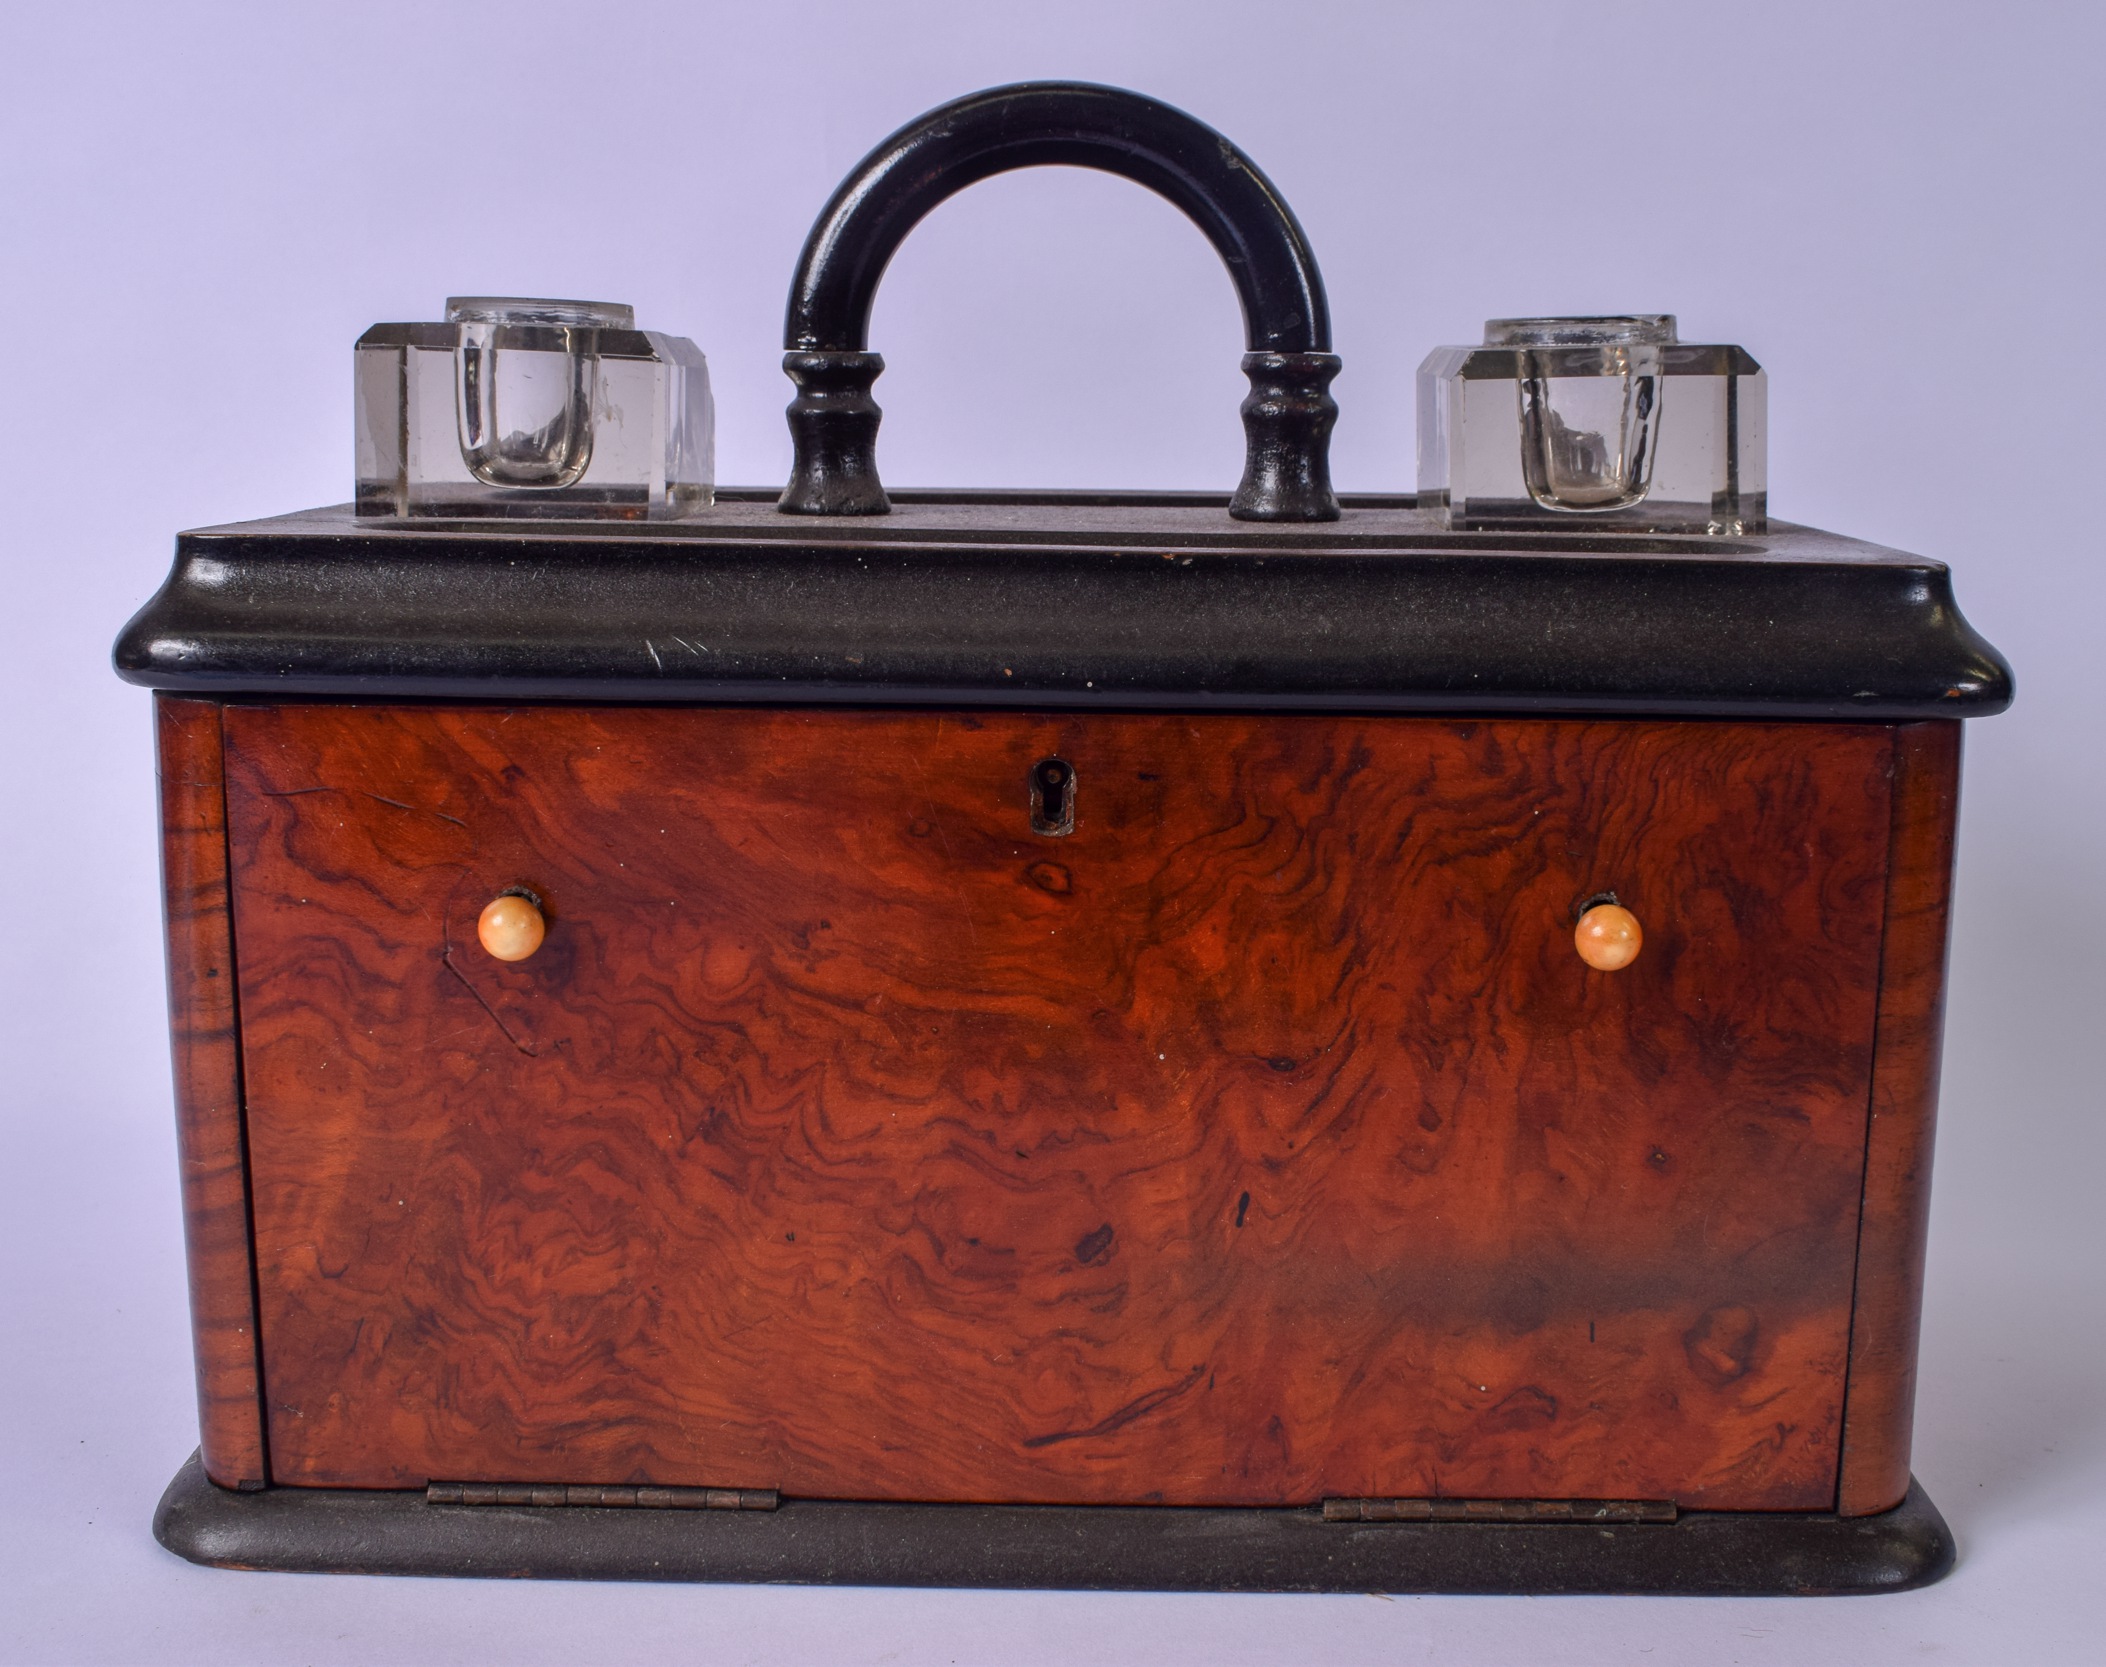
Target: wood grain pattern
1896	1215
1264	1139
201	1006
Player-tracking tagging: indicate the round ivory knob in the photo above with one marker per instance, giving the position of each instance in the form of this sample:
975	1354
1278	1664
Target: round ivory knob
511	927
1608	937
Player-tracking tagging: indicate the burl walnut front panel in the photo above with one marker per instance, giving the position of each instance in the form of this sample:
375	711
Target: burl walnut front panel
1263	1139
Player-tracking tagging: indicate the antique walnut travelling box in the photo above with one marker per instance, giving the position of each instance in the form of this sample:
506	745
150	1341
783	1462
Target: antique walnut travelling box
1057	1039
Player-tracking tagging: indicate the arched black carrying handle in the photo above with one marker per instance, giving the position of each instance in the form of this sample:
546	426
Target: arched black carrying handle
1288	415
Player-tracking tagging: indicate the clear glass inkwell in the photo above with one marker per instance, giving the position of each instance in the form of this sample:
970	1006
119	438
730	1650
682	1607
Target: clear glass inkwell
1582	422
562	409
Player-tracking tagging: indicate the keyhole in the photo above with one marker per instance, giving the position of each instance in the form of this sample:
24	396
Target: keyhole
1052	797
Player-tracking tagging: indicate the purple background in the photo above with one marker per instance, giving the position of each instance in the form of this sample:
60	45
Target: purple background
1896	207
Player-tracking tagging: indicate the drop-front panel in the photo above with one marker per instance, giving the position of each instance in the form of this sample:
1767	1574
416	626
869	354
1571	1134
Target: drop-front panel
1265	1138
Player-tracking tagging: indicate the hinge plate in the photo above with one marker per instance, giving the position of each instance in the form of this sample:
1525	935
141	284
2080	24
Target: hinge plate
1499	1510
619	1498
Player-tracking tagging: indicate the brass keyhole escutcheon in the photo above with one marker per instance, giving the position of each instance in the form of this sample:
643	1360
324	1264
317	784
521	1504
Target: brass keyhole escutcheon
1053	797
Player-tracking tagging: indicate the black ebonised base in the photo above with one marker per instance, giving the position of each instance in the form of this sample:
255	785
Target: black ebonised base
1118	1548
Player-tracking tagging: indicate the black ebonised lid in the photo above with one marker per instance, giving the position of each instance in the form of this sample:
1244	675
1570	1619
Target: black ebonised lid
1065	599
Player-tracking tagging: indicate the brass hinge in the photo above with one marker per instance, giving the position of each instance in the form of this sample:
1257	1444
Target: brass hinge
1499	1510
622	1498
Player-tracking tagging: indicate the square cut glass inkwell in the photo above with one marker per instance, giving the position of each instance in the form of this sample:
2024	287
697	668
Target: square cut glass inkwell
1577	423
555	409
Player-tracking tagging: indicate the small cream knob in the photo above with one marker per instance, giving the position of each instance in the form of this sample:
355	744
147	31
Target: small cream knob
1608	937
511	927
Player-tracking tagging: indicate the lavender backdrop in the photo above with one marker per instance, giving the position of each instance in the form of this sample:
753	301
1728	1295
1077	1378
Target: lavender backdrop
1897	207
